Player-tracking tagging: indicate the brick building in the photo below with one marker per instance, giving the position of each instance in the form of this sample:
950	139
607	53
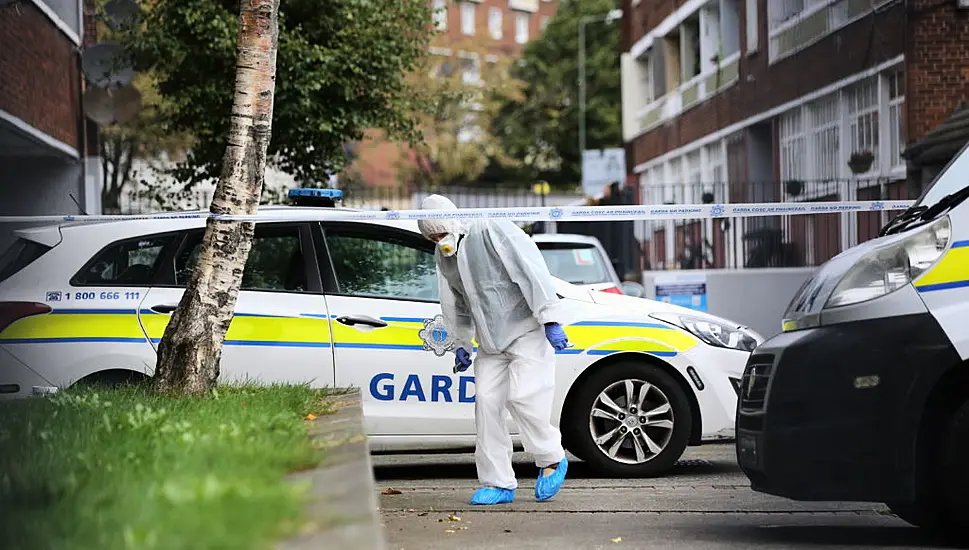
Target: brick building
502	26
48	150
767	100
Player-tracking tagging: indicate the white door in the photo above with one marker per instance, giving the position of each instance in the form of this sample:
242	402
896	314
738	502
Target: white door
279	332
383	300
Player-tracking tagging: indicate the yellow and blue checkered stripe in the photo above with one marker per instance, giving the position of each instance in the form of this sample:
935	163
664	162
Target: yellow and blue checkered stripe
951	272
121	326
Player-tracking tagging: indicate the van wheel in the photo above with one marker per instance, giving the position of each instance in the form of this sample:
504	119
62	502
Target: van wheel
955	476
630	420
944	508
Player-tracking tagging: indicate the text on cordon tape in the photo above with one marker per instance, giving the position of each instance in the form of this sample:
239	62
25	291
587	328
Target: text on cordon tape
553	213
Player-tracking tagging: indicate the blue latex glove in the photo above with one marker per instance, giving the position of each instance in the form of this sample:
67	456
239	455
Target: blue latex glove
556	336
462	360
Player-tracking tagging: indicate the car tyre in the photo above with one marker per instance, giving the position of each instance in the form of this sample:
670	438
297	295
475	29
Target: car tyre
585	425
944	509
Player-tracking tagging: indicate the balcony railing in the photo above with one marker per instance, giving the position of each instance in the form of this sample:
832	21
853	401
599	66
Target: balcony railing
690	94
816	22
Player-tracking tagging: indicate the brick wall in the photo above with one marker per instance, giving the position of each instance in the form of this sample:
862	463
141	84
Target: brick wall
937	63
506	45
38	72
639	20
852	49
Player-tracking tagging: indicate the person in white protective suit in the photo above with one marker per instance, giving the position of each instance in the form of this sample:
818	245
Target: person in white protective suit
496	288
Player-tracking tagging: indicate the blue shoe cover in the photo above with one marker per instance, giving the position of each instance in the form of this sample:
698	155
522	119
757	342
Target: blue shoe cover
493	495
548	486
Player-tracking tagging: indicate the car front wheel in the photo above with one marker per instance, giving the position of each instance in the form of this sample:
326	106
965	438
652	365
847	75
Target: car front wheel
630	419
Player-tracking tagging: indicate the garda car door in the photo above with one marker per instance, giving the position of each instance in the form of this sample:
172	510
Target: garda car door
389	339
279	332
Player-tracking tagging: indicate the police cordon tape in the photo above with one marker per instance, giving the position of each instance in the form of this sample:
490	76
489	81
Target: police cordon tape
549	213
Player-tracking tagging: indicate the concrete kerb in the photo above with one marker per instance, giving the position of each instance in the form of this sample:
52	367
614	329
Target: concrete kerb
342	511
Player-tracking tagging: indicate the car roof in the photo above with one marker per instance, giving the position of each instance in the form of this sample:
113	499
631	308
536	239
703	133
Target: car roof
564	238
162	225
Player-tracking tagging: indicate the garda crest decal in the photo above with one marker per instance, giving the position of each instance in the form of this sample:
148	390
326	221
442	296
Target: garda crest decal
436	336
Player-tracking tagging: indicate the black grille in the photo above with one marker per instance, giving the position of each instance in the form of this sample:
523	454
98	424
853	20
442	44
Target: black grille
753	387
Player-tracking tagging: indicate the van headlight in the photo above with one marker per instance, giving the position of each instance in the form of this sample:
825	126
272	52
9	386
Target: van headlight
887	269
711	332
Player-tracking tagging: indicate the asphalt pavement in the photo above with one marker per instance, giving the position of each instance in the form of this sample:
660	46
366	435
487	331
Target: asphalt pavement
705	503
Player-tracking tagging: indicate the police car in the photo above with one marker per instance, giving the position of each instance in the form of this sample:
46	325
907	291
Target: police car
354	304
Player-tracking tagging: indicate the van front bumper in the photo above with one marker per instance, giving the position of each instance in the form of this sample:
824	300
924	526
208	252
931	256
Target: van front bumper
832	413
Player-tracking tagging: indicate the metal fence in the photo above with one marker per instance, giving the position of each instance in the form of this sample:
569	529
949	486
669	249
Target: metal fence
636	246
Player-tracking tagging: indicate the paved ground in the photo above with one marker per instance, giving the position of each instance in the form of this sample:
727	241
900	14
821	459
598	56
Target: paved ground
706	503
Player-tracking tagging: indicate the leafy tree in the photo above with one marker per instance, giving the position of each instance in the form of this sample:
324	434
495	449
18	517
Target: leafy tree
144	138
467	90
341	67
542	129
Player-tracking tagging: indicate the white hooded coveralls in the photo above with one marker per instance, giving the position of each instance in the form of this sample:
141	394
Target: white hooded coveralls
497	288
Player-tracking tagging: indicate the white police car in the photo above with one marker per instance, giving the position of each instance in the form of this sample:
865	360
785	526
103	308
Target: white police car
354	303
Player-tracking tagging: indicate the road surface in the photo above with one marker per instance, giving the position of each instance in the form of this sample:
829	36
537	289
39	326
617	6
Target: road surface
706	503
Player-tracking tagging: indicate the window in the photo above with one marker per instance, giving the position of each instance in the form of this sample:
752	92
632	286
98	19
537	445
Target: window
577	263
495	23
826	137
440	14
521	27
782	11
863	119
132	262
470	70
19	255
694	178
645	69
690	48
467	18
385	266
793	145
753	26
896	117
275	263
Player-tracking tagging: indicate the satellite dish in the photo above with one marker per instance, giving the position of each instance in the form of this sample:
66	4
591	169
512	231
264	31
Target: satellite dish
121	14
106	65
107	106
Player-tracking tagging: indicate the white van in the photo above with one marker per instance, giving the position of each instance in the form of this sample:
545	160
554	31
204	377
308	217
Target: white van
864	396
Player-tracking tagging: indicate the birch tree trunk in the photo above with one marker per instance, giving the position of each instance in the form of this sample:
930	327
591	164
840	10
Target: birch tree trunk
191	348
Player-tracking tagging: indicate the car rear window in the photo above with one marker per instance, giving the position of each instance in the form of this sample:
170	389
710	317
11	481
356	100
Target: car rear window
131	262
19	255
579	264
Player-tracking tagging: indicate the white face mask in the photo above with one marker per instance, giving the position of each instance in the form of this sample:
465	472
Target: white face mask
448	245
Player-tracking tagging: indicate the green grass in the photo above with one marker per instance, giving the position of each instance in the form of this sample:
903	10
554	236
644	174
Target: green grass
126	469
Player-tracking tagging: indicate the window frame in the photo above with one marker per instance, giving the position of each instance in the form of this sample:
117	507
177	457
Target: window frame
526	17
499	32
376	232
157	273
469	16
191	237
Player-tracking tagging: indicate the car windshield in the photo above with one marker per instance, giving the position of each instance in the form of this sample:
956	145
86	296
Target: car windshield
577	263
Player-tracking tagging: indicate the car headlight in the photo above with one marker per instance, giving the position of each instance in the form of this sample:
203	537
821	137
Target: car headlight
713	333
887	269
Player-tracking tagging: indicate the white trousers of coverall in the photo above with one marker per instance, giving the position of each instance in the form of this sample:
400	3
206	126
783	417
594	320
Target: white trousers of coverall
520	381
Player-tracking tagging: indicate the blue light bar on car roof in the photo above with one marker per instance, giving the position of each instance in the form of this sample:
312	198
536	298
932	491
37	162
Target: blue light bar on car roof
316	193
319	198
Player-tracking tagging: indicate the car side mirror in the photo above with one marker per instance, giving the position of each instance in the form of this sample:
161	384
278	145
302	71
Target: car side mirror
635	290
